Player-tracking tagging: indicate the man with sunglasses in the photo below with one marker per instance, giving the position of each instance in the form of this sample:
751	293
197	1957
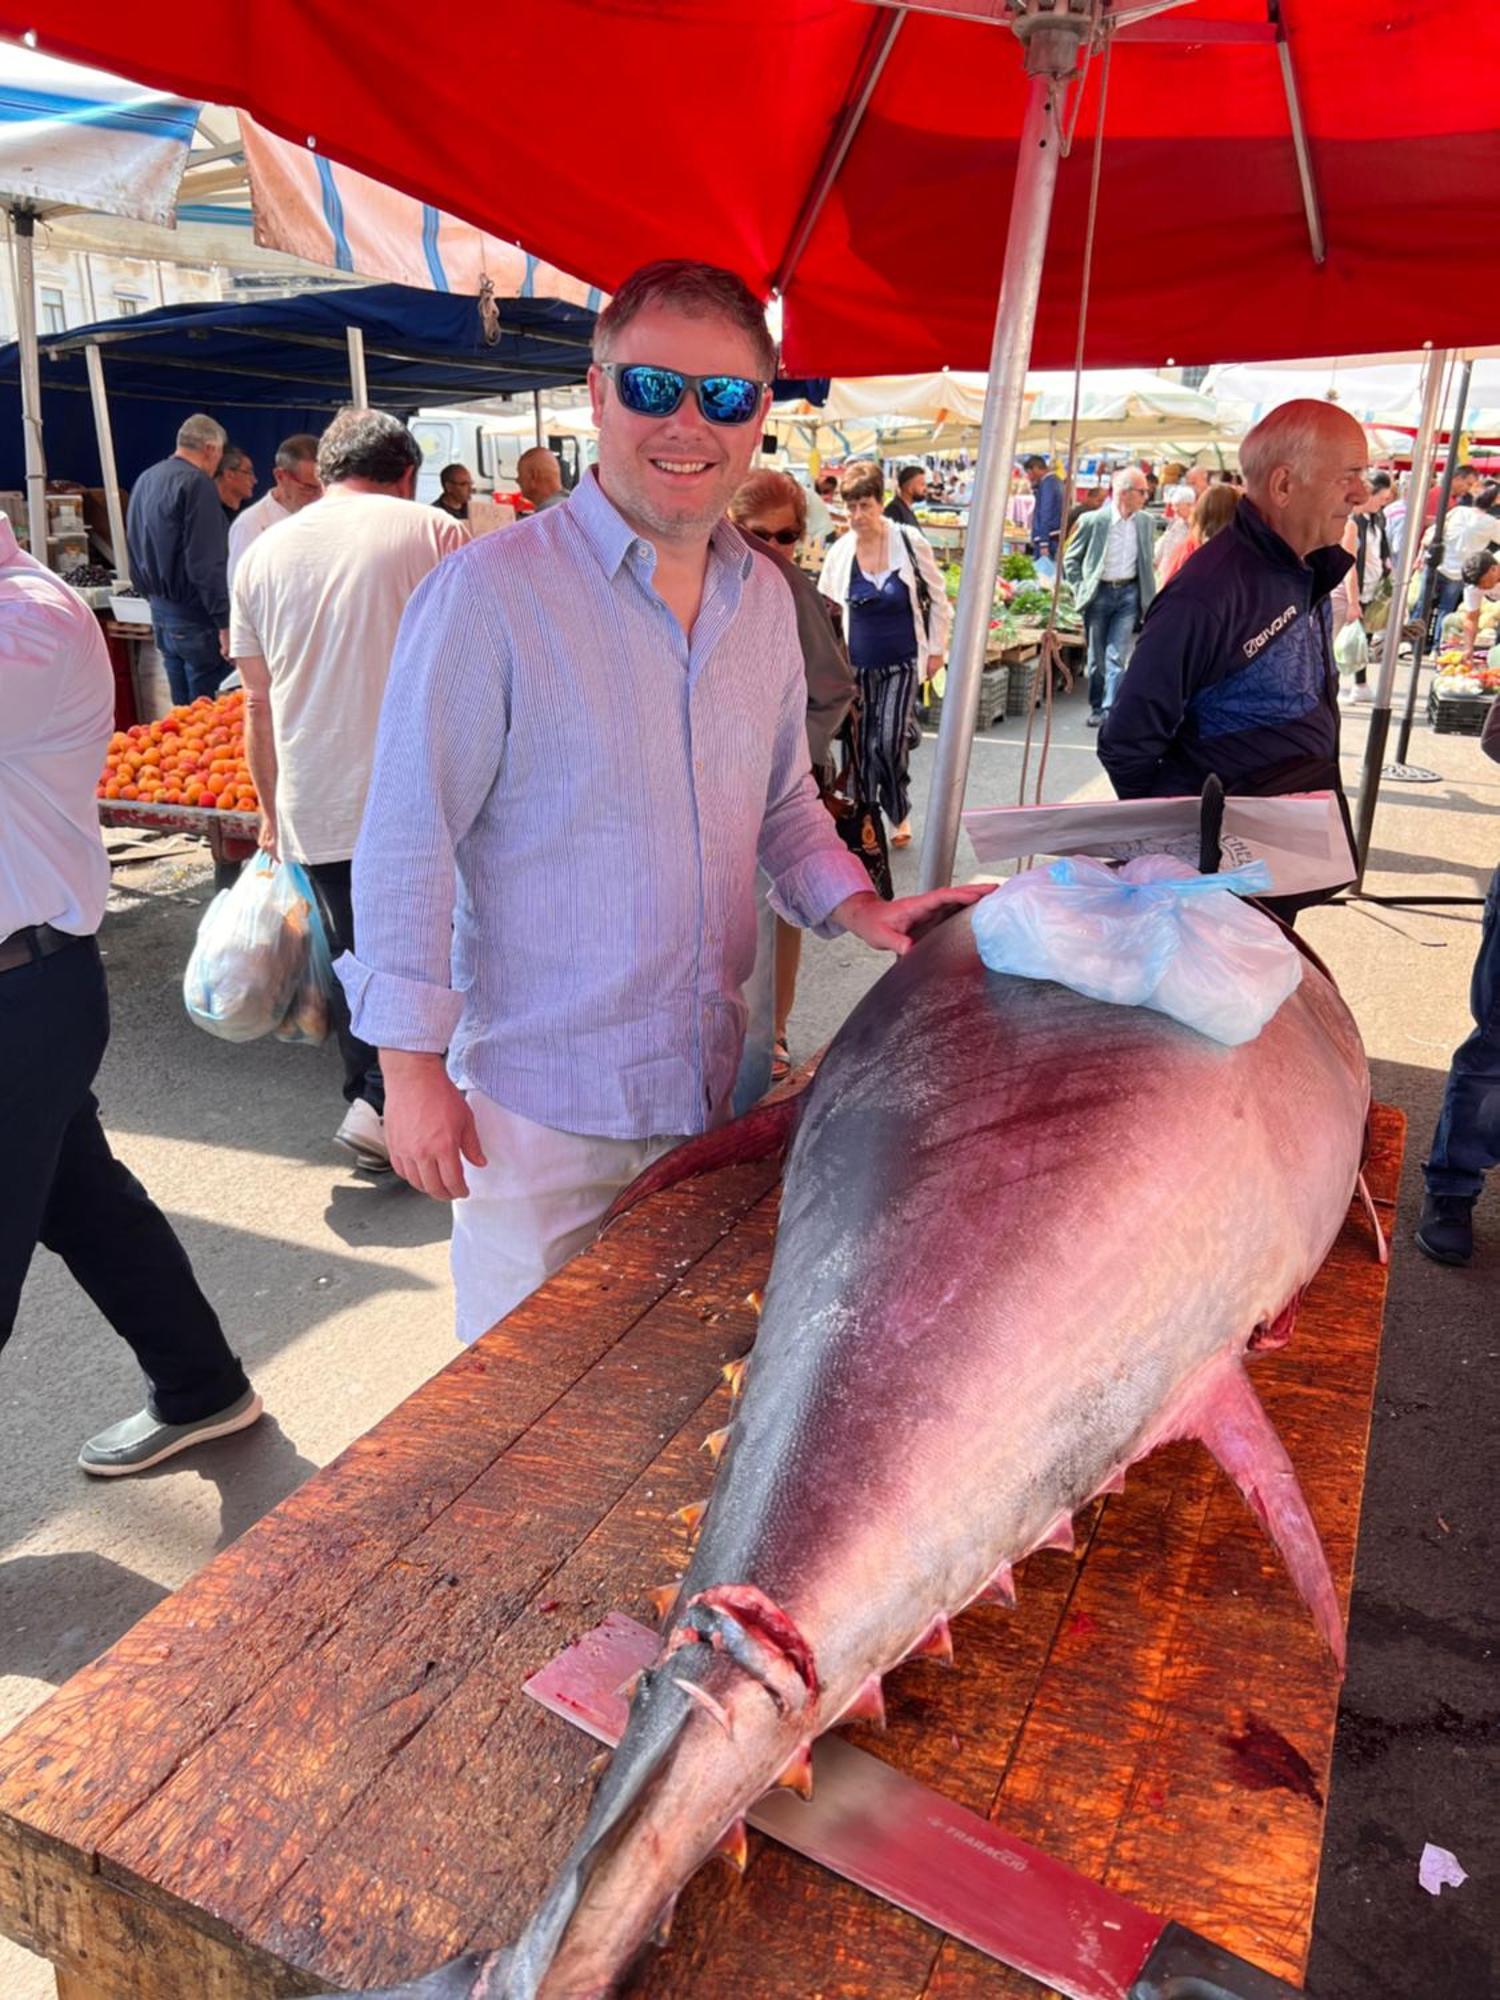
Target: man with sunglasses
594	727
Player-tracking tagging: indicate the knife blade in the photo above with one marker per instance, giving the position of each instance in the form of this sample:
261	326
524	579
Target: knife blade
951	1867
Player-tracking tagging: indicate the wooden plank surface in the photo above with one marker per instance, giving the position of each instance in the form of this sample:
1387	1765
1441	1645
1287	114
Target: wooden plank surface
313	1765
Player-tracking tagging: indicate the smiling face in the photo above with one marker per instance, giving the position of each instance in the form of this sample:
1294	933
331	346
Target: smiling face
673	477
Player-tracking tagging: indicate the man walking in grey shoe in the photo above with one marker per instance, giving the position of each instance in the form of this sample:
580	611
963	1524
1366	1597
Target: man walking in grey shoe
59	1182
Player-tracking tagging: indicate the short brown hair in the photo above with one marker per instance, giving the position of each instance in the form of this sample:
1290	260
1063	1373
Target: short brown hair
767	489
700	291
1214	509
862	482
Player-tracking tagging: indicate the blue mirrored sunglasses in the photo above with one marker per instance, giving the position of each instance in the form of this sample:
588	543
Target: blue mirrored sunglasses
656	392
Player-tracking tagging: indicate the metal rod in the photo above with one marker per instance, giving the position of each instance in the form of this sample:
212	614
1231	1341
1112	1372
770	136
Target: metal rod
359	387
1010	351
1434	561
878	45
24	223
1385	680
536	412
1299	137
107	470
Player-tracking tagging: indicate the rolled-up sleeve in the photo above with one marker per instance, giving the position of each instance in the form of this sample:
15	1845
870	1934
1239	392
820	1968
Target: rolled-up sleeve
438	753
810	868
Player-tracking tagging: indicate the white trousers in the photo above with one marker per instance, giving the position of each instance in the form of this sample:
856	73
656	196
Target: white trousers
537	1202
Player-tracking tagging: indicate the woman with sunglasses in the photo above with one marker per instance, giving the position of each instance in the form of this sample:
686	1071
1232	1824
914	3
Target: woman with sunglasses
896	620
770	511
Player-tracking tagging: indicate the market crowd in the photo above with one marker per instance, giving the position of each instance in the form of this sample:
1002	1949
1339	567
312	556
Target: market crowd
569	794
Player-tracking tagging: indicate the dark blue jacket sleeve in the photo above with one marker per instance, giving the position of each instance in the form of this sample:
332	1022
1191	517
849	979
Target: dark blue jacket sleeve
1176	651
1046	519
205	551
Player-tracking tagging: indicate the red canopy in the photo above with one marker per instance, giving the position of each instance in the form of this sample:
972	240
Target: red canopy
600	133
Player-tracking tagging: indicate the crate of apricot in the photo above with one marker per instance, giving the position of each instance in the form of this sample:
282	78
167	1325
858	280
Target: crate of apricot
193	756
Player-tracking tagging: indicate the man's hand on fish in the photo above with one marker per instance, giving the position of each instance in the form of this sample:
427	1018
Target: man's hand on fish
889	926
429	1127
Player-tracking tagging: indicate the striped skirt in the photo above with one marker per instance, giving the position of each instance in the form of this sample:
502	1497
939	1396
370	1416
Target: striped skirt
887	698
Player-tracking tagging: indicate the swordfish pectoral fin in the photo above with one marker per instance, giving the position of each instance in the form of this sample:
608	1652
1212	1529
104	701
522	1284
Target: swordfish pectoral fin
1229	1418
474	1976
763	1132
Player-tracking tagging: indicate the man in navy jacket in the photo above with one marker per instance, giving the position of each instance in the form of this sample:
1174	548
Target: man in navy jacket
178	537
1234	672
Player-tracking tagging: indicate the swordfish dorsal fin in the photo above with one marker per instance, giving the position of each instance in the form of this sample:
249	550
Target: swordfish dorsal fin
1228	1416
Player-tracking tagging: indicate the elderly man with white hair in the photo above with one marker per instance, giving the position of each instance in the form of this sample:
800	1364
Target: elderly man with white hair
1110	563
1234	673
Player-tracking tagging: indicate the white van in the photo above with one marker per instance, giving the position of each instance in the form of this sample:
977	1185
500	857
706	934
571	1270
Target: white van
487	445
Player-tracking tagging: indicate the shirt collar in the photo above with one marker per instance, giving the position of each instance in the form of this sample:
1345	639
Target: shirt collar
613	540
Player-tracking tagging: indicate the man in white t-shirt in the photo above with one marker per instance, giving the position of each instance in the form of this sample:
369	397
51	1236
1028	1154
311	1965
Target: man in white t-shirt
59	1182
294	485
316	606
1481	584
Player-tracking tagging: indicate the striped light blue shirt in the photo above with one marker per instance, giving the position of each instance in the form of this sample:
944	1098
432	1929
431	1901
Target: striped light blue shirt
555	878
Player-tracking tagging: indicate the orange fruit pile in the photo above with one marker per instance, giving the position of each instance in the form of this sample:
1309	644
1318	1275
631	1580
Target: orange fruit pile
194	756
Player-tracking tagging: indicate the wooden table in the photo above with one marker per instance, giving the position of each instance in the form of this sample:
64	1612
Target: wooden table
314	1767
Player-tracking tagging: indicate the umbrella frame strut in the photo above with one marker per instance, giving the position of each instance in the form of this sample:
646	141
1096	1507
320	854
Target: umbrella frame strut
23	223
1380	713
1052	43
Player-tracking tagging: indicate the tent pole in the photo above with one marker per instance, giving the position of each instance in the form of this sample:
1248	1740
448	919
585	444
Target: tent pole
536	412
23	220
359	387
1385	680
107	472
1051	56
1401	769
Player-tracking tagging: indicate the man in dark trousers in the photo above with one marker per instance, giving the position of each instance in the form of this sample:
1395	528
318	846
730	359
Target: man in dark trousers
178	539
1466	1143
1047	512
911	486
59	1183
1234	672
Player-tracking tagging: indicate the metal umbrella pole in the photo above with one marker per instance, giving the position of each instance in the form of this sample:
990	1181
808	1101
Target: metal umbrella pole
23	221
1401	771
1385	680
358	386
1052	42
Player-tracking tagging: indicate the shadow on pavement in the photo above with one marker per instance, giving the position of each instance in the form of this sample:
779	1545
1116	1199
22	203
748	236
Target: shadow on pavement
386	1213
253	1470
58	1612
1414	1757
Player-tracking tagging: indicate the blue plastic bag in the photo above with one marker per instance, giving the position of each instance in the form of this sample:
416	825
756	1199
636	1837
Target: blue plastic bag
251	951
308	1019
1152	934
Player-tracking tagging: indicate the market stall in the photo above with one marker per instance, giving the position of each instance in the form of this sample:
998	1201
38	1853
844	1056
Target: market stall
316	1765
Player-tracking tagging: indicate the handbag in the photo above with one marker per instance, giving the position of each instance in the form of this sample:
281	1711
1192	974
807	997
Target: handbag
924	592
856	820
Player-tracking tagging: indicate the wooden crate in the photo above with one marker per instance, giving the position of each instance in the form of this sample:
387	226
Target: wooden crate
314	1767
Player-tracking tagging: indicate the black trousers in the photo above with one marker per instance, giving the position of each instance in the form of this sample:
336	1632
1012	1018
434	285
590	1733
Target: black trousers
362	1078
60	1185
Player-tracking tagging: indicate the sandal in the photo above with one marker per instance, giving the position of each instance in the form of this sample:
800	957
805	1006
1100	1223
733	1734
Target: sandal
902	835
781	1060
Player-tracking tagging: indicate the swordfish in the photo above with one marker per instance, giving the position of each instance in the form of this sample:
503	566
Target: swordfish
1025	1237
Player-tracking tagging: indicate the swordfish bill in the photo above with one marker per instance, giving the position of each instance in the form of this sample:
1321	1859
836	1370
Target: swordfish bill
1025	1237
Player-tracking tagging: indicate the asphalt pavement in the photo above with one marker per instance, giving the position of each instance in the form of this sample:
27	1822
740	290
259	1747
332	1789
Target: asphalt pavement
334	1290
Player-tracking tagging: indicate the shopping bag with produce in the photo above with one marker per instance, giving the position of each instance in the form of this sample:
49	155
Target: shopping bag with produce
308	1018
251	952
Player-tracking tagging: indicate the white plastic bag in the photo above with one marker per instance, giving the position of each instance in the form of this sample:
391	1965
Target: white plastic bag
251	952
1152	934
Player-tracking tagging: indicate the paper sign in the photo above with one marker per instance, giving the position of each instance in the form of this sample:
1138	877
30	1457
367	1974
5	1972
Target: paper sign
1300	837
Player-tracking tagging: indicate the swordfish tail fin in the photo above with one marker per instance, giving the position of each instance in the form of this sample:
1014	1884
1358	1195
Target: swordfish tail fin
1229	1418
763	1132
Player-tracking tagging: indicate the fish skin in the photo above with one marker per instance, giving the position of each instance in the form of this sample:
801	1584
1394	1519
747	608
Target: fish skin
1116	1203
